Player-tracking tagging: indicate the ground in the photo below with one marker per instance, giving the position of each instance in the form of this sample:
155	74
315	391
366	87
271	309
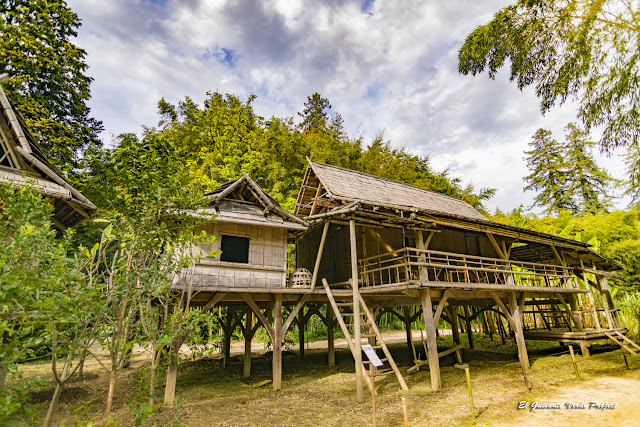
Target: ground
314	394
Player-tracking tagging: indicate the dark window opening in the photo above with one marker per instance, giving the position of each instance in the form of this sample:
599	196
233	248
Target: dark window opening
235	249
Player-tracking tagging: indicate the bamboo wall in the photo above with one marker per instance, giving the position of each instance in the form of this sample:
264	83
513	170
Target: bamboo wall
267	267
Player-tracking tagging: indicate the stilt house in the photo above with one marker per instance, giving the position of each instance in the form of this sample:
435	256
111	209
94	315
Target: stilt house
22	161
378	246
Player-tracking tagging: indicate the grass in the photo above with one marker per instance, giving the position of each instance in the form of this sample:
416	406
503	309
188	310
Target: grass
315	394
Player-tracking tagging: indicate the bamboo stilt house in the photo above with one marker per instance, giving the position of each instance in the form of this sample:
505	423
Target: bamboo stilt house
22	161
374	246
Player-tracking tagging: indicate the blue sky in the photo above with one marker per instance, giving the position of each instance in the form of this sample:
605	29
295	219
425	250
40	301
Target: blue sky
385	66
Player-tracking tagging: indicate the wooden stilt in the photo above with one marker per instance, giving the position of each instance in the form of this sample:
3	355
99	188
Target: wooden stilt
170	383
516	319
228	322
248	335
432	347
330	340
277	343
584	346
453	315
356	313
301	327
407	326
467	321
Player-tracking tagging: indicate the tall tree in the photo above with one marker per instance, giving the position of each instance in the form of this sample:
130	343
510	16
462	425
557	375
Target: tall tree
588	181
548	173
47	76
580	49
567	175
314	116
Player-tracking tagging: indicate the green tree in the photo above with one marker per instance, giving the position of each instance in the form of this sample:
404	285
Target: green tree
587	50
217	140
314	115
567	175
149	237
36	274
588	182
548	174
47	76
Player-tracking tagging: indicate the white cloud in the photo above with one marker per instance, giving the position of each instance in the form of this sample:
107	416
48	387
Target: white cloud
391	67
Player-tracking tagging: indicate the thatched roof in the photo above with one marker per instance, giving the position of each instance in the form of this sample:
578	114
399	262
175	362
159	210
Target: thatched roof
22	161
243	201
344	185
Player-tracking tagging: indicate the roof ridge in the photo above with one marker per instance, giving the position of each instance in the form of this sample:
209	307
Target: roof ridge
390	180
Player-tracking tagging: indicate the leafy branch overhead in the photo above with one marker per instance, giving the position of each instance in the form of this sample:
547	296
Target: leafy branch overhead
570	49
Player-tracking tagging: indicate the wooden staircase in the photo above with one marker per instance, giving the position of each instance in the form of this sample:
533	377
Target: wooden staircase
625	343
343	307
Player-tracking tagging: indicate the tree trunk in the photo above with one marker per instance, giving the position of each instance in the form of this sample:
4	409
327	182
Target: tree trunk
56	394
112	389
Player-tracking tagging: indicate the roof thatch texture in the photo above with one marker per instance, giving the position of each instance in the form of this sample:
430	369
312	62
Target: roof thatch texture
243	201
350	186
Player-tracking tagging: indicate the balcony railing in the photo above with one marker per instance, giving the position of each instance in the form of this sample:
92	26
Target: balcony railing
410	264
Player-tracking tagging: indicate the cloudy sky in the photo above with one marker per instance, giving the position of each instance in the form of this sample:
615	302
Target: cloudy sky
386	66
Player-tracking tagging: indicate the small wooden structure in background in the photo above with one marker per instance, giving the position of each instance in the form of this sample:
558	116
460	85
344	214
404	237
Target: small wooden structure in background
378	245
22	161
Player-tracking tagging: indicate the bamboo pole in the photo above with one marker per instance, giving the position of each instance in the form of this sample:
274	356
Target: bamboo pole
357	354
316	267
573	359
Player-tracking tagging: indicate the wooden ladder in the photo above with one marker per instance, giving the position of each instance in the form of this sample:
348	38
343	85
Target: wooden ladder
624	343
369	325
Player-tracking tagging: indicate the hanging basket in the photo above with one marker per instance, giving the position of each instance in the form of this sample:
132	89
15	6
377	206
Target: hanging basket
301	278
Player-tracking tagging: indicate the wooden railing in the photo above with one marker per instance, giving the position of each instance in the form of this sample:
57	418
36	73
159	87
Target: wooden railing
410	264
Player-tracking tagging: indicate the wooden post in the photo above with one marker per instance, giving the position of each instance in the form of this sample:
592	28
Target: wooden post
404	412
467	321
573	359
473	408
516	317
373	392
453	316
584	347
432	347
407	326
228	321
301	326
170	384
356	312
277	343
330	340
248	335
316	267
607	292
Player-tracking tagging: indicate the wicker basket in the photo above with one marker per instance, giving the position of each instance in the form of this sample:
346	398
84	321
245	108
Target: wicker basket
301	278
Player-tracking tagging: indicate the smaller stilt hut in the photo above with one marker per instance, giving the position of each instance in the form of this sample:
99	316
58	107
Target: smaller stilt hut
249	275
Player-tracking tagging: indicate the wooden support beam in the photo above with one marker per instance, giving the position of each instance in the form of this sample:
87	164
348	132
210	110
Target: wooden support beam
294	312
316	267
443	300
267	326
493	241
301	327
227	329
432	347
331	356
248	336
467	323
357	354
505	311
277	343
516	316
